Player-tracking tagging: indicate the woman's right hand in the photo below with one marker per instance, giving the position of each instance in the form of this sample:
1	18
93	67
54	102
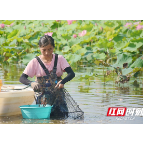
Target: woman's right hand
35	86
59	85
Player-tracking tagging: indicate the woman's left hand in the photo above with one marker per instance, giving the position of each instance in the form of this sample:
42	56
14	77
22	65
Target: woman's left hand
60	85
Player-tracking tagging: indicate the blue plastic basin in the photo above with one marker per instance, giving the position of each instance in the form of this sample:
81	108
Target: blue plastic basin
36	111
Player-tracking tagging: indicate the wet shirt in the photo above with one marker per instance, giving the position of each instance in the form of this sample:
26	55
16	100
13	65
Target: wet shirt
34	68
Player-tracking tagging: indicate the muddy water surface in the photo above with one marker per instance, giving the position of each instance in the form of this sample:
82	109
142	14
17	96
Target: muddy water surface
93	96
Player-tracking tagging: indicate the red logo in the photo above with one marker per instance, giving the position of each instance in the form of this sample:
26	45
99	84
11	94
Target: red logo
116	111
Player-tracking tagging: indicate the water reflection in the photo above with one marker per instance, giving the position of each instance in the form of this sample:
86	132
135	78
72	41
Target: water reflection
11	73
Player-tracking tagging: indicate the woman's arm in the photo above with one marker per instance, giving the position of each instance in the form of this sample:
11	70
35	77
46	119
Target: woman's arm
70	75
23	79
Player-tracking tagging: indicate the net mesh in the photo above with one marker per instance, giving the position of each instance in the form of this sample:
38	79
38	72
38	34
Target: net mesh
60	99
73	108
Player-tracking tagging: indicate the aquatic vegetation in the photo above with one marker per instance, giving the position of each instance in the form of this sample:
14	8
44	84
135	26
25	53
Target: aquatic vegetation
96	42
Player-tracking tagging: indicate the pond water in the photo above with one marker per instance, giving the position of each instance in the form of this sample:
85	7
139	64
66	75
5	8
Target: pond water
93	96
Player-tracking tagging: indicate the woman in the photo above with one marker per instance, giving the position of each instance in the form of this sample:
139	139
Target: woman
50	79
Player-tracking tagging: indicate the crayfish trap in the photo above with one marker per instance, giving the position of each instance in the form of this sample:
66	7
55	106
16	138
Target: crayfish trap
63	104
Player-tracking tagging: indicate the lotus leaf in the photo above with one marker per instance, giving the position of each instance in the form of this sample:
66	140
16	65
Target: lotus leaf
121	59
121	44
13	33
73	41
138	63
2	40
66	36
101	56
75	48
1	32
126	71
87	27
28	57
13	43
70	27
132	47
9	29
137	40
102	43
135	33
66	49
73	58
89	57
109	24
81	51
118	38
8	22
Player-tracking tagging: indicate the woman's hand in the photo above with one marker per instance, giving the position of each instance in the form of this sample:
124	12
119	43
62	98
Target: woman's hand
35	86
59	85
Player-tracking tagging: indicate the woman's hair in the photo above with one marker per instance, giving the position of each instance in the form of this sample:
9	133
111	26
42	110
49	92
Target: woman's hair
46	40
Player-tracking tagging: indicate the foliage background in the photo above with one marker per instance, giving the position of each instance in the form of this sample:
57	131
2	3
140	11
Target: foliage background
94	42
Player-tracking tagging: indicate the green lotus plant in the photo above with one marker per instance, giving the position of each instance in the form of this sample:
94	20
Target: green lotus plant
91	41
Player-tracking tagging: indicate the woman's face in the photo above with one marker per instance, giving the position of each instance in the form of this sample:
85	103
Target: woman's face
47	50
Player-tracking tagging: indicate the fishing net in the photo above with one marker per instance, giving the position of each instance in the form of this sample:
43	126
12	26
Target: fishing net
63	104
73	109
